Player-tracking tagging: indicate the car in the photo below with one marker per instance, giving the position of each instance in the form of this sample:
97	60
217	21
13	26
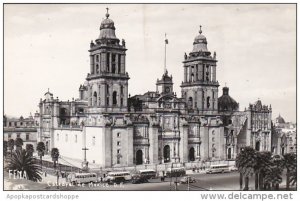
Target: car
187	179
276	157
233	168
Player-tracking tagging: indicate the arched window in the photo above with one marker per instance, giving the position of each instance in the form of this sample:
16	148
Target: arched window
114	98
95	99
192	77
190	102
119	64
97	69
122	90
207	101
113	68
107	89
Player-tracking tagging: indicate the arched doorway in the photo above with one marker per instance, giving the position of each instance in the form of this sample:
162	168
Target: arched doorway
229	153
192	154
167	154
139	157
257	146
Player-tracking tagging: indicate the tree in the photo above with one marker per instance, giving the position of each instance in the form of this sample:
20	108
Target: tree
11	144
273	175
19	143
23	162
29	149
262	164
41	151
54	156
246	162
5	146
290	163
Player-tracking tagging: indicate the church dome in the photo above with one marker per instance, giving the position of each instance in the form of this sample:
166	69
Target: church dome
107	28
280	120
200	43
226	103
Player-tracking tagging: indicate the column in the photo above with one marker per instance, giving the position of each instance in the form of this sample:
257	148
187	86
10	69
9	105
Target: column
117	63
185	74
190	73
98	95
120	96
110	55
91	64
103	94
209	71
103	62
153	140
110	94
125	94
177	148
123	63
214	73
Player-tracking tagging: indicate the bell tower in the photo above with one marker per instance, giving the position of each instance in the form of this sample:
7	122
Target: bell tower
200	87
107	89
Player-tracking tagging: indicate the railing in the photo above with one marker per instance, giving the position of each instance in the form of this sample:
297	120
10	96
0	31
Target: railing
141	141
168	137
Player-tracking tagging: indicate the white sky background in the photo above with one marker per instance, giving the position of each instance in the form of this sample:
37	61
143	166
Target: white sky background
45	46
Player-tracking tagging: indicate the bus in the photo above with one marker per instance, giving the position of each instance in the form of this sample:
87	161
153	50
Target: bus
148	173
143	176
221	168
78	178
176	172
118	177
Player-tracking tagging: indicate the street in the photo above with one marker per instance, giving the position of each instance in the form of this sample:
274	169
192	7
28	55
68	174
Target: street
225	181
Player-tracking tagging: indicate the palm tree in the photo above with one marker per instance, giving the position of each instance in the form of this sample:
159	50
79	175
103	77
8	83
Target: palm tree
41	151
273	176
246	162
290	163
262	164
5	148
11	144
29	149
25	163
54	156
19	143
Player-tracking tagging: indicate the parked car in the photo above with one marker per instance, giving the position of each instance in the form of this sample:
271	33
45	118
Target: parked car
187	179
233	168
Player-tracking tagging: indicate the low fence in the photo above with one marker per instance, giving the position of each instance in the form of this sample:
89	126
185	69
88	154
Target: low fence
157	167
59	166
163	167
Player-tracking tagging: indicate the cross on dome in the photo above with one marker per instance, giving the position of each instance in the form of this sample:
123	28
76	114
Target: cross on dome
107	14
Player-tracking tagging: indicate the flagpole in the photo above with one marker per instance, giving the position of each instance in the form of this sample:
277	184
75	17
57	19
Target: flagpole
165	53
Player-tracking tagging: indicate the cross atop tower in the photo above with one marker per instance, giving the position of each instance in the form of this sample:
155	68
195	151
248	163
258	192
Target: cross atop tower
200	31
107	14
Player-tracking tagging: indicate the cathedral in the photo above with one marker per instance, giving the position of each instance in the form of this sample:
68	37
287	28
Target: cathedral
157	127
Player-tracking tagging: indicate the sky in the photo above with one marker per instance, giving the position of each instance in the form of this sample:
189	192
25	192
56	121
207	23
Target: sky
46	46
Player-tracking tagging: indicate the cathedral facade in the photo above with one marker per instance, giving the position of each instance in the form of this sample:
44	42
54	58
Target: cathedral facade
157	127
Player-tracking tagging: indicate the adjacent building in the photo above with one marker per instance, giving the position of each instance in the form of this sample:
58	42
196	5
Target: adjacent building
24	128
